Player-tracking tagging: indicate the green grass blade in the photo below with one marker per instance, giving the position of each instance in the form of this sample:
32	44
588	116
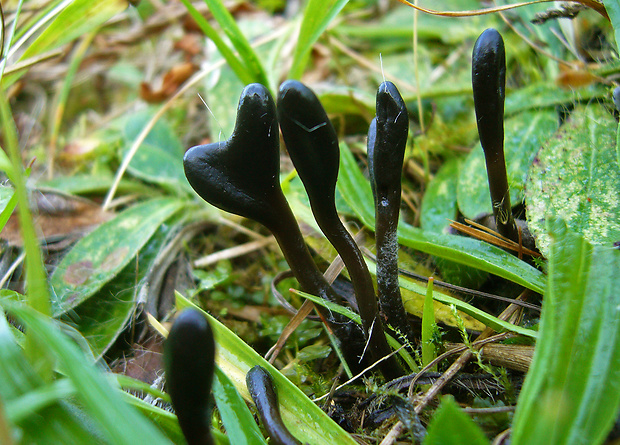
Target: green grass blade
487	319
38	295
356	191
317	17
41	417
37	399
120	423
74	21
236	417
8	211
428	326
235	63
238	40
451	426
564	400
165	420
235	358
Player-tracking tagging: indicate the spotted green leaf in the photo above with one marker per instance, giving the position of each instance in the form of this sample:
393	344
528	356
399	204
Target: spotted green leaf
576	177
99	256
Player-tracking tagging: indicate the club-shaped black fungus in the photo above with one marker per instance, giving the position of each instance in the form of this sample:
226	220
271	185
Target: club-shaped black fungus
242	176
489	82
386	150
312	144
260	386
189	354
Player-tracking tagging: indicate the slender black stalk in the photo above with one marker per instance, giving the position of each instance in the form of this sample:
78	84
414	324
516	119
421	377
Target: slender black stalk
242	176
189	355
386	150
260	386
312	144
489	85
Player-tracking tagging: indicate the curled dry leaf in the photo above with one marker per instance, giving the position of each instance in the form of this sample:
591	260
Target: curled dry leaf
170	84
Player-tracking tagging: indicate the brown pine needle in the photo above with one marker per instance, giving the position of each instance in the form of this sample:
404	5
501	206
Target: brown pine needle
490	236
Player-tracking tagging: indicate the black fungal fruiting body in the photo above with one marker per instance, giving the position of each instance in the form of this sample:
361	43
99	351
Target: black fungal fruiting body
260	386
489	81
387	139
242	176
189	354
312	145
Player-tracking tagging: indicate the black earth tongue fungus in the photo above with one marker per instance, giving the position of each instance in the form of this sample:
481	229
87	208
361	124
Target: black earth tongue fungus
312	144
260	386
189	354
489	85
387	138
242	176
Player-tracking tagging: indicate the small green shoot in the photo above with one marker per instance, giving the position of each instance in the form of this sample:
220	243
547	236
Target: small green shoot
428	327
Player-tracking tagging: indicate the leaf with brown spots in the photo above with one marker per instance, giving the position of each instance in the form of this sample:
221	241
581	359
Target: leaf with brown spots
99	257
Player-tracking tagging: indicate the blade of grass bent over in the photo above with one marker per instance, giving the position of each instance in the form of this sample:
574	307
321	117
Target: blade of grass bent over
120	423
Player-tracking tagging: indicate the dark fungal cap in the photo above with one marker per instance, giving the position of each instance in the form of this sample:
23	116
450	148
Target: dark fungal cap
241	175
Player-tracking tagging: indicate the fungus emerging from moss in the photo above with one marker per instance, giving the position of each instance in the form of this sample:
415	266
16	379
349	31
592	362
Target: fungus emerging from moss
242	176
387	138
312	144
260	386
189	354
489	82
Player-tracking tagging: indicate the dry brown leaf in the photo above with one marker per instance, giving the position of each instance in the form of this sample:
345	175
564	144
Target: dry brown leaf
170	84
57	218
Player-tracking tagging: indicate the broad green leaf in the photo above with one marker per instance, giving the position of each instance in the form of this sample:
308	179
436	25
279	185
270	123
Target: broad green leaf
356	191
469	312
101	320
487	319
538	96
236	417
235	358
161	135
524	135
451	426
117	422
98	257
160	157
576	177
318	14
571	394
439	203
77	19
95	183
153	164
222	96
439	207
104	316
